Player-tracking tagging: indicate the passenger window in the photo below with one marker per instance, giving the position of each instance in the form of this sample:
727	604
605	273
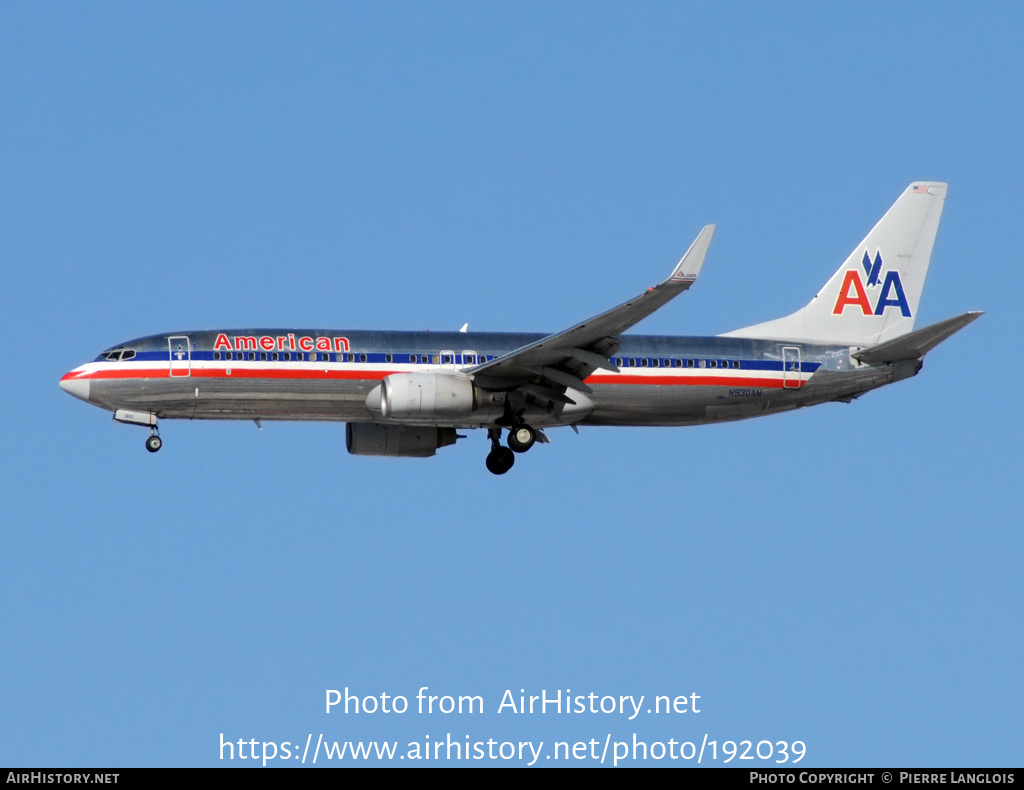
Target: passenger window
362	357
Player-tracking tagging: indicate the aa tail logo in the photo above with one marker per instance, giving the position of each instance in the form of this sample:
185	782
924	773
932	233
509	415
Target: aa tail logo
854	291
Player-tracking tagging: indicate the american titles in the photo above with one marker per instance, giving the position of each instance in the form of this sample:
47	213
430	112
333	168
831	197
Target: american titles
280	343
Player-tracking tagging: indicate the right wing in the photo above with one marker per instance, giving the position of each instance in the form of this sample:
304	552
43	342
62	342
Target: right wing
549	366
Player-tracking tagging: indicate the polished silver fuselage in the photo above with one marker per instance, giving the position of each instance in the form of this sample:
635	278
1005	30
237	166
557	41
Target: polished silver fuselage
269	374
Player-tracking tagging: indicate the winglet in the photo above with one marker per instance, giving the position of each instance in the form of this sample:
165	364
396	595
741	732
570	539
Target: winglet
689	265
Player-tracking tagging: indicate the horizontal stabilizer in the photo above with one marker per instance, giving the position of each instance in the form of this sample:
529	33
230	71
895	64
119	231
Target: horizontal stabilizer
916	344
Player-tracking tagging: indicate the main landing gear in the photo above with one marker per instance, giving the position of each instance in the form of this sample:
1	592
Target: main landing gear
520	439
499	459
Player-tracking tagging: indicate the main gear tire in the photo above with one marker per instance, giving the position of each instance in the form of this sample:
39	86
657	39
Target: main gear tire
500	460
521	438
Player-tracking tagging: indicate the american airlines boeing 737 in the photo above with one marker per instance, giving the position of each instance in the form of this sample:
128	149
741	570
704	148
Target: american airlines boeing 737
409	393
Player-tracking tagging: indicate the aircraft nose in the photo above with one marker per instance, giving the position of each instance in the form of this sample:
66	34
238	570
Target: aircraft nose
75	386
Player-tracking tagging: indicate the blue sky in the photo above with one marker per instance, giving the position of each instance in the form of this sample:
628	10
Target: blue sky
846	576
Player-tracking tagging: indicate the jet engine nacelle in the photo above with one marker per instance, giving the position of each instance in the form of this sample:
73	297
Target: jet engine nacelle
410	441
409	396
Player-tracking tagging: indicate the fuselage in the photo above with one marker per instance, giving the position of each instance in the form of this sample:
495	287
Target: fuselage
301	374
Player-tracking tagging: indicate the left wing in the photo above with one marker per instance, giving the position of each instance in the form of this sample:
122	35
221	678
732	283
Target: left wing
563	360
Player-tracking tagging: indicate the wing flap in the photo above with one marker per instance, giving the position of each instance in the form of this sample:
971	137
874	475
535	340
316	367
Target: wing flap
561	378
592	360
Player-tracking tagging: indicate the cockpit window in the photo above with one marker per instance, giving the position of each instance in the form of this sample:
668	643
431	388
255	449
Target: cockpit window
116	354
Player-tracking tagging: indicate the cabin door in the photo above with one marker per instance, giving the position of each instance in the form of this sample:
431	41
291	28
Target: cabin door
181	355
791	367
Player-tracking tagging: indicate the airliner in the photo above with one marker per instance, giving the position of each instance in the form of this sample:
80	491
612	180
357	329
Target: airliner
410	393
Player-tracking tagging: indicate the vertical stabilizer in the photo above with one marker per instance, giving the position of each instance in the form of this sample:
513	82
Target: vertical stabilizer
874	295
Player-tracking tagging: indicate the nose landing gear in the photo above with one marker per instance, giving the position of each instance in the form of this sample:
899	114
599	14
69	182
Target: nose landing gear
154	442
145	419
